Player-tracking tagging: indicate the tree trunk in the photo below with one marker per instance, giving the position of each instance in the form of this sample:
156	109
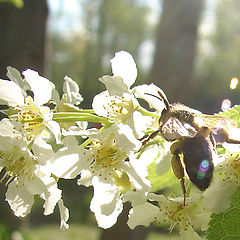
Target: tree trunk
175	47
23	36
22	45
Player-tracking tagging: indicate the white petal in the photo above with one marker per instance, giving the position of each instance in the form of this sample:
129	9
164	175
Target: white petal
106	203
107	221
125	138
99	101
78	131
6	128
115	85
105	195
51	196
86	178
123	65
142	214
41	149
41	87
143	91
164	158
140	123
35	186
218	196
10	93
189	234
55	129
71	88
137	173
19	199
64	214
68	163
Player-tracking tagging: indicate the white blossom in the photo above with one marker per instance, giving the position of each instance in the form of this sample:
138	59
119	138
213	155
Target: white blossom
29	116
172	211
218	196
118	102
113	170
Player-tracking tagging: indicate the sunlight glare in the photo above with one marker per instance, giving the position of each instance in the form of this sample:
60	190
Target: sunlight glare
226	104
233	83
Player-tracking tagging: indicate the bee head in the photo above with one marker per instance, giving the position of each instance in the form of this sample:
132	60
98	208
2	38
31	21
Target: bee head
204	131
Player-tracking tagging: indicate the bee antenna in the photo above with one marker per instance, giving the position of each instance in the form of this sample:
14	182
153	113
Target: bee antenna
164	99
161	98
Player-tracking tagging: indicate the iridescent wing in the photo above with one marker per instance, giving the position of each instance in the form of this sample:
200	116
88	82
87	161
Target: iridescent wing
174	129
214	122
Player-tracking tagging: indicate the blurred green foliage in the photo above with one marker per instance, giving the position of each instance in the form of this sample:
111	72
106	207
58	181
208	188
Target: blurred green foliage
16	3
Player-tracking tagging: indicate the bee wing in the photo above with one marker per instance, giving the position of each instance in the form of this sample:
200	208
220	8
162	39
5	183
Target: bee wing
174	129
214	122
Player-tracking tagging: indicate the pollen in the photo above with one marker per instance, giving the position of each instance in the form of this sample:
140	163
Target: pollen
29	118
178	215
18	164
120	109
106	156
231	169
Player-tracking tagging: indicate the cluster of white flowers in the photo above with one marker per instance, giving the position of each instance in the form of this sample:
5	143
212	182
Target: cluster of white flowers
110	158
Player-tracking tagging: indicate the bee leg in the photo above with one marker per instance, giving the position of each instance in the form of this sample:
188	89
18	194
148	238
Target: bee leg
223	136
177	167
151	136
232	141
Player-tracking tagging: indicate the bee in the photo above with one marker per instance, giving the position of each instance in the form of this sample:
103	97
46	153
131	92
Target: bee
195	136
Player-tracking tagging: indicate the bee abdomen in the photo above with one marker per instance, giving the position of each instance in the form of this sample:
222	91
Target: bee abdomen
198	162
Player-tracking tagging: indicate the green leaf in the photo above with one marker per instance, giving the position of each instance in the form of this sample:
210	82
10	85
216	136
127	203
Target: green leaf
233	113
16	3
225	226
159	182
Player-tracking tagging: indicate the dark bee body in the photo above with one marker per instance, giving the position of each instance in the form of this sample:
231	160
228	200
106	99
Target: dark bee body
197	158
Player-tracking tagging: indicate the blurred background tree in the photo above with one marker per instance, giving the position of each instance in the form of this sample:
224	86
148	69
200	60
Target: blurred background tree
189	48
218	59
175	48
109	26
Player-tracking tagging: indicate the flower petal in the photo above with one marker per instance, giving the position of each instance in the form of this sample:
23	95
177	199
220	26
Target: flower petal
10	93
71	89
6	128
143	91
41	87
123	65
55	129
19	199
68	163
64	214
115	85
125	138
51	195
142	214
106	202
218	196
189	234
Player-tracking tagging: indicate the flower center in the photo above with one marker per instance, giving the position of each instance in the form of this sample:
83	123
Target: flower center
17	164
106	156
177	214
231	170
30	119
120	108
